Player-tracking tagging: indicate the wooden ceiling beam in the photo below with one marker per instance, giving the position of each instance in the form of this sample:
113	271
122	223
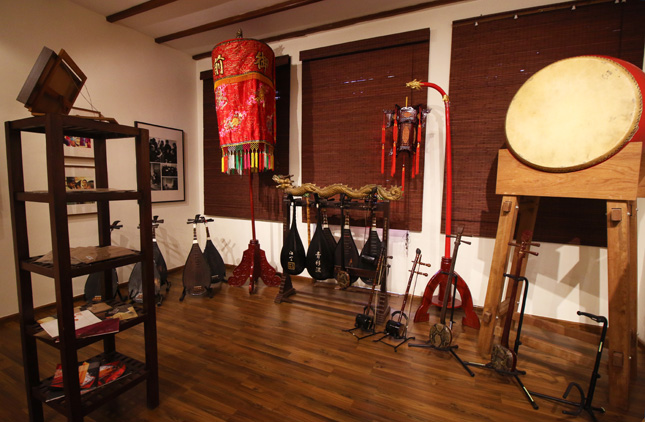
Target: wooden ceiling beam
276	8
138	9
347	22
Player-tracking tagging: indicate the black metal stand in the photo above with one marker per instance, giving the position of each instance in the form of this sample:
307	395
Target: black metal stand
393	329
585	402
365	323
450	349
351	331
516	373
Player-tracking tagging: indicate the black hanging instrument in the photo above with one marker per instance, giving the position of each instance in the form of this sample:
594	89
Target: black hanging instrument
372	245
197	273
213	257
320	254
327	234
157	256
292	256
346	253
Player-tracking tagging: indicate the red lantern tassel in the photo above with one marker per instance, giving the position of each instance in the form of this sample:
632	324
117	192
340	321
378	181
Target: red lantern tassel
418	153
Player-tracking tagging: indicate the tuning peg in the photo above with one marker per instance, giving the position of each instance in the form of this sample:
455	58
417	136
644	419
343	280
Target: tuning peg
423	263
419	272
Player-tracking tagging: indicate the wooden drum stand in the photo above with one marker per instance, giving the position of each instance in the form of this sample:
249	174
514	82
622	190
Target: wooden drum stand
619	181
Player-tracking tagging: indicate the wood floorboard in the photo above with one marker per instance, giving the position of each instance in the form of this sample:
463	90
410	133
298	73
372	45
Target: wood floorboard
241	358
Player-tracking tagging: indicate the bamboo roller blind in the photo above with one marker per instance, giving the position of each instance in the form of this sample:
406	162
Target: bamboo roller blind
491	58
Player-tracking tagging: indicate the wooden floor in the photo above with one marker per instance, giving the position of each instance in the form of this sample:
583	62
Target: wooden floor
236	357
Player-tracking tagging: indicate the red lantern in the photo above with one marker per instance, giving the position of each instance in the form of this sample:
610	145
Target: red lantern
244	75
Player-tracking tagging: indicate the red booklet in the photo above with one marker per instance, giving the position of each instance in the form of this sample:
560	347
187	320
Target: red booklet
106	326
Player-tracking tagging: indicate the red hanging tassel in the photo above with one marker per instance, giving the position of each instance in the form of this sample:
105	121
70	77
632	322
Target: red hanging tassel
383	146
403	179
418	142
395	137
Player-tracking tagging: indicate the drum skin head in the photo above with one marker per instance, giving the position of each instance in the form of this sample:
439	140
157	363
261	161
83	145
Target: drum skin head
573	114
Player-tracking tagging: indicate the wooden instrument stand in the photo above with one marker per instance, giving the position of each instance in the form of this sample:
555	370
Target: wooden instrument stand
382	207
619	181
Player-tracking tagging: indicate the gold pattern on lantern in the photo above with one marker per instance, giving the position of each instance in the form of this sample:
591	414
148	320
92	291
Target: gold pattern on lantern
261	61
218	65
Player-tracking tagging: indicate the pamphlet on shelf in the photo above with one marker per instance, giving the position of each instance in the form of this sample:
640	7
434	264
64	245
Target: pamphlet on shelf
81	319
86	323
92	375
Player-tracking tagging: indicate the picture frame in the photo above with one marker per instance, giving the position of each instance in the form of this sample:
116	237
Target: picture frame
80	177
166	162
74	146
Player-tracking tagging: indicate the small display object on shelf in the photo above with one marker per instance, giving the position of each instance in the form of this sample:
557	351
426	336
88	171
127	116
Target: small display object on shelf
53	83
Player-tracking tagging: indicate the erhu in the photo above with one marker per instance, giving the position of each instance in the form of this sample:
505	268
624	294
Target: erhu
396	327
365	320
440	337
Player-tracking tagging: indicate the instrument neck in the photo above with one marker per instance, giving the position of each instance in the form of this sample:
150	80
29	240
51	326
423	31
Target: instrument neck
407	289
451	280
511	303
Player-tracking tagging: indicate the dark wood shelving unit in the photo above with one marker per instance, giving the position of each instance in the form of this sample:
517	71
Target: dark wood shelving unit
54	127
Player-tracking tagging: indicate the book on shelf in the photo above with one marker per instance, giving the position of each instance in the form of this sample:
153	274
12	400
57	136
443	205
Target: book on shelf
86	324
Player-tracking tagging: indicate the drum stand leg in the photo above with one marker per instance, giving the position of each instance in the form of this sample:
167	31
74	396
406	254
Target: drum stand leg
451	349
585	402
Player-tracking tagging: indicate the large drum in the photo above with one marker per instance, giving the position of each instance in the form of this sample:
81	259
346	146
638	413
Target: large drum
575	113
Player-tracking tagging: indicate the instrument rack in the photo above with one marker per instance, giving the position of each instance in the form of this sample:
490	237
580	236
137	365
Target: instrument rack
585	402
516	347
381	207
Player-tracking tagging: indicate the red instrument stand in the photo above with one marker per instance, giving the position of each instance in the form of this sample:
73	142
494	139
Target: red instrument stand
254	263
441	279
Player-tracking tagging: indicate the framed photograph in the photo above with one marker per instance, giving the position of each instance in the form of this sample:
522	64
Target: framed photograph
79	177
75	146
166	162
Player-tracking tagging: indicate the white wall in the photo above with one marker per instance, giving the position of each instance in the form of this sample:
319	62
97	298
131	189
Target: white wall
131	79
564	278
